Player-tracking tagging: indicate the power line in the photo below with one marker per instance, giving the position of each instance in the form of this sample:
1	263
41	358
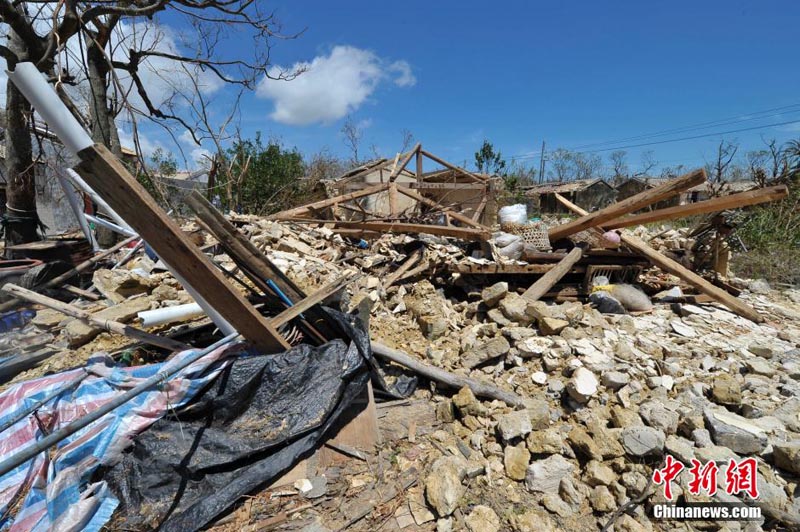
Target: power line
714	134
702	125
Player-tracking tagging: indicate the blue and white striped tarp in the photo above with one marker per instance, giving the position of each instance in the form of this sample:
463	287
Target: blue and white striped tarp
53	490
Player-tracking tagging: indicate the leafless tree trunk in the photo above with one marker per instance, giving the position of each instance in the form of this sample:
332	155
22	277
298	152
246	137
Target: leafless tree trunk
21	222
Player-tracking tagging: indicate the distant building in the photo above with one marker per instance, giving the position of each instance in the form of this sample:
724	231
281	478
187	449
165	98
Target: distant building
590	194
634	185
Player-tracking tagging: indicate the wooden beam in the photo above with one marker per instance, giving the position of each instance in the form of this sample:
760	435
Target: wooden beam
434	205
451	166
479	388
456	232
419	165
482	205
424	185
634	203
733	201
670	266
403	268
549	280
380	187
66	276
404	163
393	207
252	261
112	181
99	323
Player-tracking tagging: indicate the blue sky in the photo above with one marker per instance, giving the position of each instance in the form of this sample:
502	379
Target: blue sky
571	73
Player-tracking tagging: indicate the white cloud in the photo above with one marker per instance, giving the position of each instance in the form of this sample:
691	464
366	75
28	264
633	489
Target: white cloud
331	86
405	78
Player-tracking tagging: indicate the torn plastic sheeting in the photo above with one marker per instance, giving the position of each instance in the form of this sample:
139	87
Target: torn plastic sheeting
255	422
54	487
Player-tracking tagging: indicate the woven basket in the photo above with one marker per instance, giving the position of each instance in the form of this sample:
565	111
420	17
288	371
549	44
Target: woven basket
534	233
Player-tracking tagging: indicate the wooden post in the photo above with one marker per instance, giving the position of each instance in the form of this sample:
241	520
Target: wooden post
393	208
670	266
106	175
549	279
86	317
733	201
634	203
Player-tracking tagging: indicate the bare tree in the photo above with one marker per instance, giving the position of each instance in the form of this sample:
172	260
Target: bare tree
719	169
45	27
561	164
619	165
647	164
586	165
778	164
407	139
756	166
352	134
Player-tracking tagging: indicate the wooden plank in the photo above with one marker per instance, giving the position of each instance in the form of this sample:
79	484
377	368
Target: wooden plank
549	280
634	203
408	263
99	323
399	227
438	206
670	266
419	166
112	181
733	201
305	304
358	429
452	166
322	204
404	162
252	261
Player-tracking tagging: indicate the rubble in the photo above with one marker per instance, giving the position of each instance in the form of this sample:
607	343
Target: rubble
508	412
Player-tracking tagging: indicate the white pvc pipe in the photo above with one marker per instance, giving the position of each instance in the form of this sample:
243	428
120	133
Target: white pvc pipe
160	316
112	226
77	210
46	102
101	203
44	99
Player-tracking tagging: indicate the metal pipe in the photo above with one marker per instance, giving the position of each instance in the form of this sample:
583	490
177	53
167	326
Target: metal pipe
54	438
72	199
78	181
112	226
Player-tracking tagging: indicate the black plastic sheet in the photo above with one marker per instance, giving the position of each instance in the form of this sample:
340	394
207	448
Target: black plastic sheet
260	417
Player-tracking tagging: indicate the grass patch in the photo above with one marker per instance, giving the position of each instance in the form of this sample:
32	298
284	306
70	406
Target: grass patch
776	266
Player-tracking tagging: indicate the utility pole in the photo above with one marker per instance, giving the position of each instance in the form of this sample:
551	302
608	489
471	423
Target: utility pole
541	166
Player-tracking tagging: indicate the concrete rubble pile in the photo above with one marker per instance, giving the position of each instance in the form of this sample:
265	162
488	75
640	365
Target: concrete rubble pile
606	396
540	392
